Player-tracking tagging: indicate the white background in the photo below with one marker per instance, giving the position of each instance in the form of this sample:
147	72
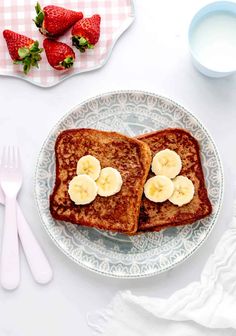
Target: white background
152	55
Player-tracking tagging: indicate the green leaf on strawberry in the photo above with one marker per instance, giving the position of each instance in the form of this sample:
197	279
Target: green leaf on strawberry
29	56
23	52
67	63
81	43
40	16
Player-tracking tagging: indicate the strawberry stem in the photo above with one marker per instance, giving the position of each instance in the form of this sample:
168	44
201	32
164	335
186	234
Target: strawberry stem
81	43
40	15
68	62
29	56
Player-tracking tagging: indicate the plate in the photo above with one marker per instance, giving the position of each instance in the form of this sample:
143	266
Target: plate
116	17
114	254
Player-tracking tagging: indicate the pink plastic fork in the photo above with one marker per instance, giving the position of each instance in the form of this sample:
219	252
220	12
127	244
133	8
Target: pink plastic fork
10	181
37	260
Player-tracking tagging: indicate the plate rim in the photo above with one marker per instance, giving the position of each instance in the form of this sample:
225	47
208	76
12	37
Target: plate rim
213	222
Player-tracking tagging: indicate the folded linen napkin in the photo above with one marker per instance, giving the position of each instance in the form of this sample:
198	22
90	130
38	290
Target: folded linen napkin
207	307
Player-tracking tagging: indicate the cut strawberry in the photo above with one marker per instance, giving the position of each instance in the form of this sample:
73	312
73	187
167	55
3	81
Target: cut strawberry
23	50
53	21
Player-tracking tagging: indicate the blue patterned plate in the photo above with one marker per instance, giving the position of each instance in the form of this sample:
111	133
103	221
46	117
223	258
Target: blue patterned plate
113	254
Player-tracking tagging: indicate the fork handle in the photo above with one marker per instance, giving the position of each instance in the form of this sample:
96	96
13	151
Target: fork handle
38	263
10	262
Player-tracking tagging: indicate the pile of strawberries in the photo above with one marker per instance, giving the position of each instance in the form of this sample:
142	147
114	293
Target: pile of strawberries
54	21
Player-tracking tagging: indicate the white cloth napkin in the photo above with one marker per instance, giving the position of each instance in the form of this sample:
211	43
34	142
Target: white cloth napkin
207	307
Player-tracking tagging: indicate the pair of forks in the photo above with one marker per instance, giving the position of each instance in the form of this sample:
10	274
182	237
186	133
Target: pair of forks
15	225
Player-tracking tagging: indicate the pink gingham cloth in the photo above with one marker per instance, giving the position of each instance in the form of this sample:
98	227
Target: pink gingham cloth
17	15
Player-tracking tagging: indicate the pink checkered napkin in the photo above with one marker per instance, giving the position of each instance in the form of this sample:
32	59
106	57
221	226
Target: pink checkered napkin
17	15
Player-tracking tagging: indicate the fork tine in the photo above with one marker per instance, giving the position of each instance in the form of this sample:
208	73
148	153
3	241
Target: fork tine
9	157
3	157
18	158
13	157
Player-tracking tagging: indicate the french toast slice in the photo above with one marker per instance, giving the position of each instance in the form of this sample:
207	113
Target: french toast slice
129	156
157	216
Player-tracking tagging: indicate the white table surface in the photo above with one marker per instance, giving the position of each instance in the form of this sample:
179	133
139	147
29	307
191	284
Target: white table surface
153	56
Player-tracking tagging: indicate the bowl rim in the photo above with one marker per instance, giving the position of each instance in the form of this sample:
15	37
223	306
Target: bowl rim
216	6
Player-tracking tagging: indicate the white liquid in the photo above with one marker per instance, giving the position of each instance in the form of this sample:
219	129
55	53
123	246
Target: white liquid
214	41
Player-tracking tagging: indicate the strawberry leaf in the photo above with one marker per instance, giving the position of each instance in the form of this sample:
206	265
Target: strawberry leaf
81	43
29	56
68	62
35	47
39	17
38	8
23	52
17	62
26	68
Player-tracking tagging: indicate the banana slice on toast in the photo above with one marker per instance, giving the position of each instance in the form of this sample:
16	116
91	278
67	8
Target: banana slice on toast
90	166
183	191
158	188
166	162
82	189
109	182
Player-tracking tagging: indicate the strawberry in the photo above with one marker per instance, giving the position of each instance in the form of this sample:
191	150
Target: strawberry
22	49
53	21
60	56
86	33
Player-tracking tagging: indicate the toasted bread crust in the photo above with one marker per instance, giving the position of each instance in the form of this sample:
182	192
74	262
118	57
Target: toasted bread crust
156	216
131	157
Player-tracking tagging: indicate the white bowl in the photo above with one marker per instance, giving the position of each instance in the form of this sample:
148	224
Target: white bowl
212	39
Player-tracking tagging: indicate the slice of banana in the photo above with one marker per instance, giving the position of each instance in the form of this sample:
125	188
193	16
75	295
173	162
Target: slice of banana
82	189
166	162
89	165
109	182
158	188
183	191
